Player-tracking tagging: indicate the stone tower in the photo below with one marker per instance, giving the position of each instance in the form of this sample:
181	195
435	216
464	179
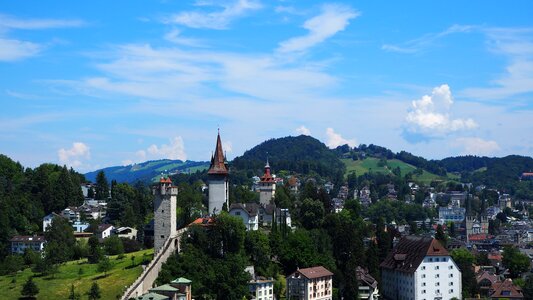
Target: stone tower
164	212
267	186
218	180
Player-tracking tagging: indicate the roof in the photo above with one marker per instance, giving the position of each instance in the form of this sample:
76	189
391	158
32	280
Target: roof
267	177
164	288
181	280
410	252
152	296
52	215
103	227
218	164
28	238
165	180
506	289
486	275
252	209
203	221
363	276
314	272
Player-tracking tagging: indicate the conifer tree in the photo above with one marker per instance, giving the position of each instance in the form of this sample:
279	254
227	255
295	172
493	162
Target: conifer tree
94	292
30	289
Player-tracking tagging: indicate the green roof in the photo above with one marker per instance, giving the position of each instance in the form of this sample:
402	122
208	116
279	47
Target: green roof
152	296
182	280
164	288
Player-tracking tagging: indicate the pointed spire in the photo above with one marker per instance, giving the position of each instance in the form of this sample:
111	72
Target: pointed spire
217	161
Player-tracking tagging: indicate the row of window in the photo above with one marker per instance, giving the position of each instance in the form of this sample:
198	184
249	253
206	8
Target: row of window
438	283
450	291
437	275
437	267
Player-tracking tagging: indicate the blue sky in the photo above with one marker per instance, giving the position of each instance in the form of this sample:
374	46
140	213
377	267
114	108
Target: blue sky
99	83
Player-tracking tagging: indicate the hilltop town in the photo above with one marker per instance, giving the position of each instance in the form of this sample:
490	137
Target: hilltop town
367	224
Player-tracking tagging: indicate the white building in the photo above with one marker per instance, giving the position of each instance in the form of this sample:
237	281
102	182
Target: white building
262	288
126	232
311	283
19	243
104	231
267	187
420	268
218	181
248	212
47	220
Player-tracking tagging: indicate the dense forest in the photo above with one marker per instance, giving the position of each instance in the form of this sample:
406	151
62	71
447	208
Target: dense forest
302	154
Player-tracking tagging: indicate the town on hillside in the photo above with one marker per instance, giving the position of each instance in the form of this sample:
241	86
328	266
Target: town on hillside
265	234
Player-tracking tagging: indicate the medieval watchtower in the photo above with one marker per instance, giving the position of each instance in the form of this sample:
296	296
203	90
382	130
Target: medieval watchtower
164	212
267	186
218	180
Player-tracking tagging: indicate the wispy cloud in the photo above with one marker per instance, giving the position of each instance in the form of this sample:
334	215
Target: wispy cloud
13	50
426	41
517	45
176	37
215	20
332	19
175	149
476	146
430	114
11	22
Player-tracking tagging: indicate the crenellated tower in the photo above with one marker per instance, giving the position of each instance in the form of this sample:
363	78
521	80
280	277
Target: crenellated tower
218	180
164	212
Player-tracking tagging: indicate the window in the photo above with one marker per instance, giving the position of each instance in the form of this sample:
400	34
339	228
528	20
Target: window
423	291
423	284
451	291
237	213
423	267
436	267
451	275
437	283
437	275
451	283
162	236
450	267
423	275
431	259
162	210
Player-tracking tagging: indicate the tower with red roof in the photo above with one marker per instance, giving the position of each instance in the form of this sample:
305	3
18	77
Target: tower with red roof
218	180
267	186
164	212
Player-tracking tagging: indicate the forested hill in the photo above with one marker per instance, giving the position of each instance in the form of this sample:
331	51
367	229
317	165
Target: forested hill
301	154
149	170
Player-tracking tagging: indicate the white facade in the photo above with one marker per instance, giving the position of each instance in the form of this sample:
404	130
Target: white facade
218	193
250	221
262	289
436	278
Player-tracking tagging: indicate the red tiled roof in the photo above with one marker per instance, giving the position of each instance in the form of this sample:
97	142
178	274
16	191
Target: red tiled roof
203	221
165	180
218	165
506	289
496	256
314	272
410	252
479	237
486	275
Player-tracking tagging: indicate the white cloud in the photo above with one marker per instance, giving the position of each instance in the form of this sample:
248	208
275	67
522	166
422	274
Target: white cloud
335	139
73	157
426	41
303	130
477	146
127	162
430	114
176	37
12	50
11	22
215	20
227	146
334	18
517	46
174	150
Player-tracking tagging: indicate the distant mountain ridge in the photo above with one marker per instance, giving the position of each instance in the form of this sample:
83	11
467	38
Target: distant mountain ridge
148	171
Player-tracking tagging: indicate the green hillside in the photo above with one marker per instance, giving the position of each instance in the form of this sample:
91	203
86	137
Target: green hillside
148	171
372	164
58	286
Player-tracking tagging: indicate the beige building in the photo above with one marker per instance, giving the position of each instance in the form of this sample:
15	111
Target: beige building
310	283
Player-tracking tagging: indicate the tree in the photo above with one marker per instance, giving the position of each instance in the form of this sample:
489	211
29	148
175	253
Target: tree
440	235
102	186
29	289
311	213
258	249
113	245
528	287
12	264
464	260
517	262
60	241
73	295
95	251
94	292
105	265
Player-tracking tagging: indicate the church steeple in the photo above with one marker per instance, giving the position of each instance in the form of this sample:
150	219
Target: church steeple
218	161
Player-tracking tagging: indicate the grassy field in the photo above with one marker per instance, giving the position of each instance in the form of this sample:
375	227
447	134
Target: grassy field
371	164
58	286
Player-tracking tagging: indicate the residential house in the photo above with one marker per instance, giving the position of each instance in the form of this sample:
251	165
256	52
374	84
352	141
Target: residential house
485	280
262	288
310	283
126	232
19	243
47	220
452	214
80	226
248	212
184	286
178	289
420	268
506	290
294	184
104	231
368	286
283	216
